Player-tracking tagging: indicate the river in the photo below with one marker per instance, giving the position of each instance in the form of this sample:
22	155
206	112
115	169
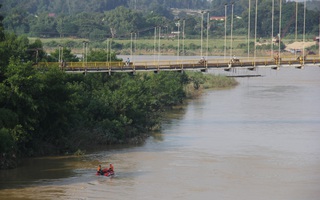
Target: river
259	140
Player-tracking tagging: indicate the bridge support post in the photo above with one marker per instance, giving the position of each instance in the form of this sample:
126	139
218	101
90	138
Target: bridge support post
85	71
133	73
276	67
229	67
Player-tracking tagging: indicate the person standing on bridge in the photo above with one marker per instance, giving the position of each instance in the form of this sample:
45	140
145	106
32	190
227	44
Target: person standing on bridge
202	60
128	62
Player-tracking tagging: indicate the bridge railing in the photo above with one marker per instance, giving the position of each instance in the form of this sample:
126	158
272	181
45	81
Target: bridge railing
181	64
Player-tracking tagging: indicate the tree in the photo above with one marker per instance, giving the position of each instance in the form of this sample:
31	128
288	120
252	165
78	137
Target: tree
162	11
44	26
66	55
88	22
35	52
66	26
102	56
21	85
12	46
1	27
191	26
56	110
124	21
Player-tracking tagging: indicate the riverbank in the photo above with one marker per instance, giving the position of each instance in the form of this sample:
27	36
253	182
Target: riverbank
188	47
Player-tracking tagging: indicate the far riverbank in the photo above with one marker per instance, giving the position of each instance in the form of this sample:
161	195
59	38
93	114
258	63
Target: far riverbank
187	47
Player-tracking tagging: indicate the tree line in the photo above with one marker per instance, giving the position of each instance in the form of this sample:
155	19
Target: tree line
98	20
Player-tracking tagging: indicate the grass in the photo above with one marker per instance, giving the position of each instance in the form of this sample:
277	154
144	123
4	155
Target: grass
200	82
218	82
217	42
216	45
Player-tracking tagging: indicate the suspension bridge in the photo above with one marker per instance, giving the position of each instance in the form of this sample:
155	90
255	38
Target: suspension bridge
181	65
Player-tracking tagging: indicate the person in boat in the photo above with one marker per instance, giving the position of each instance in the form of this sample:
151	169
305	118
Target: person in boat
99	170
110	168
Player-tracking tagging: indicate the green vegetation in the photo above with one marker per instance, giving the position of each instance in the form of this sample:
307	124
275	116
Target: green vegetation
199	82
168	46
69	23
51	112
98	20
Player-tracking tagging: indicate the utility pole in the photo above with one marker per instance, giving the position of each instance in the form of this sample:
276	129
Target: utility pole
178	49
183	35
225	30
202	12
232	5
249	26
208	26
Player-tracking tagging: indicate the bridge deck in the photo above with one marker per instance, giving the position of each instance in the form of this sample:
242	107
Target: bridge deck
75	67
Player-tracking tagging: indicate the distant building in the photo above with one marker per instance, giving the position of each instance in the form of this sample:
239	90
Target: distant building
217	18
175	32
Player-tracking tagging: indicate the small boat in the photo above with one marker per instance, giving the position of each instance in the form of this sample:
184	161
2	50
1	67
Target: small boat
105	172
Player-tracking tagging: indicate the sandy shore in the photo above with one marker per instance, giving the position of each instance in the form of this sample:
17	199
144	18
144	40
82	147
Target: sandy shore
299	45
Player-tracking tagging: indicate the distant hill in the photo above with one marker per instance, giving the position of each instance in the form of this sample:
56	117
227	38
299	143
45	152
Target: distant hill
75	6
101	19
311	4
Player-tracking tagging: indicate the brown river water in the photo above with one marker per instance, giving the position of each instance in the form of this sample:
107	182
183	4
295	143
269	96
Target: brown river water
259	140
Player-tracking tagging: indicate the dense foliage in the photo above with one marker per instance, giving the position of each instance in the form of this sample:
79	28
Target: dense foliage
101	19
53	112
50	111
